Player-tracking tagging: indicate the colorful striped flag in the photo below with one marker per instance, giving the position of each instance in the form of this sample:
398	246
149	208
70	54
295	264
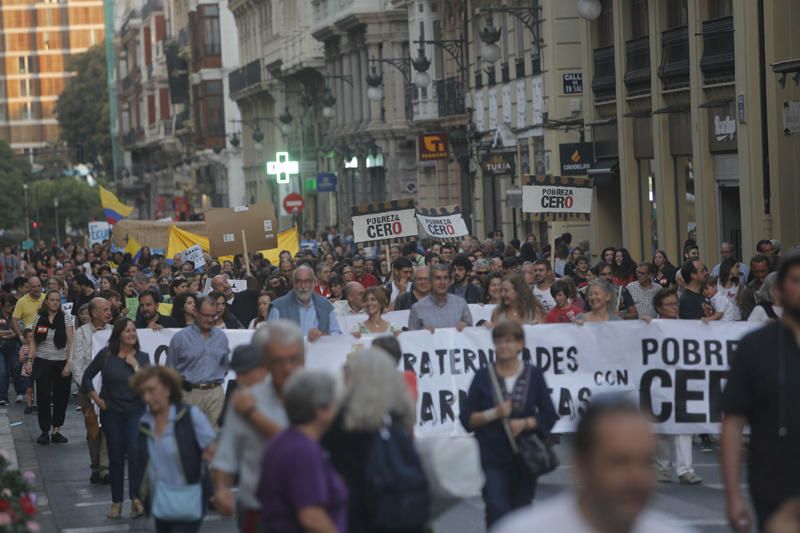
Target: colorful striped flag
113	209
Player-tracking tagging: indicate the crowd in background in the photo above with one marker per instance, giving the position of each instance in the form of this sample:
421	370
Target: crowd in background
165	423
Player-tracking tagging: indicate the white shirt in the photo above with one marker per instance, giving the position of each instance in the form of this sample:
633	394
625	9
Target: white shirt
560	513
396	292
722	304
545	298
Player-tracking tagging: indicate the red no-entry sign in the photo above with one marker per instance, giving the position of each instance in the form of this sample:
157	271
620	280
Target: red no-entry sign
293	203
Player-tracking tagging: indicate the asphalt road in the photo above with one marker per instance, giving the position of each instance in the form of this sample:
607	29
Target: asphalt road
69	504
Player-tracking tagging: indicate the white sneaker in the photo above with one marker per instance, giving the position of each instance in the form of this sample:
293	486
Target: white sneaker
663	476
690	478
20	399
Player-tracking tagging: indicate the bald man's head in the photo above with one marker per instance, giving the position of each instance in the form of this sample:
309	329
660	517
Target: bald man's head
100	312
221	284
354	293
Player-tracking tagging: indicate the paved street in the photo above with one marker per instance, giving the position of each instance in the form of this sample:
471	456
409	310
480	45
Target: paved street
69	504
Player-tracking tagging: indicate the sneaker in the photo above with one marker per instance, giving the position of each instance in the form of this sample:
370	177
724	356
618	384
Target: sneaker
44	438
20	399
690	478
663	476
3	403
95	478
58	438
29	409
77	409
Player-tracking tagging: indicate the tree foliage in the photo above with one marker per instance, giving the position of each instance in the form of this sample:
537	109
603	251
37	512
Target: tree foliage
82	110
78	202
14	171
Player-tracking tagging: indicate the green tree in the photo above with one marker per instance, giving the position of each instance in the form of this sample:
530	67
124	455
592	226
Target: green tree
78	202
82	110
14	171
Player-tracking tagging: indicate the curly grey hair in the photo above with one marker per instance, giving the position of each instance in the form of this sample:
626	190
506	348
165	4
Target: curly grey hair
375	389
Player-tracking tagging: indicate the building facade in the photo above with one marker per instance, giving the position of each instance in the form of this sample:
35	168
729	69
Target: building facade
37	40
174	111
277	88
687	123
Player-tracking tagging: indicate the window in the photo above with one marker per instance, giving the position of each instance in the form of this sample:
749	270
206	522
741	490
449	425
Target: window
23	88
216	112
211	38
22	66
677	13
639	19
605	25
720	8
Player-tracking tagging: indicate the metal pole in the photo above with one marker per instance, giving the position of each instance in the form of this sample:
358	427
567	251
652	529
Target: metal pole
58	231
27	216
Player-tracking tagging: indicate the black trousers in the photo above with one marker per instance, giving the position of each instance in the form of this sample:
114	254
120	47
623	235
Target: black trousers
52	392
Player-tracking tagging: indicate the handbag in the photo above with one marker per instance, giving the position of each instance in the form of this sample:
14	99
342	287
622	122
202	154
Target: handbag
538	456
183	503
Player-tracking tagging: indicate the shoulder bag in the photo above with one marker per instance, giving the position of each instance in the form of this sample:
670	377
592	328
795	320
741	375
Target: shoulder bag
538	456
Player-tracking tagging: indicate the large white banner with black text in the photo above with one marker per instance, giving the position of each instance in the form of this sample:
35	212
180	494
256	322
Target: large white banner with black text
675	369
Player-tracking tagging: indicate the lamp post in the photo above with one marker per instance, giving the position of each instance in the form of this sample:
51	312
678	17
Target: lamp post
27	216
58	229
589	9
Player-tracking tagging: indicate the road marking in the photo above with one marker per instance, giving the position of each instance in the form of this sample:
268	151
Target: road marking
91	504
97	529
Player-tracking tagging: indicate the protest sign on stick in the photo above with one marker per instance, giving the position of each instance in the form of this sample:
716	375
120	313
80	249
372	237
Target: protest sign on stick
232	231
442	223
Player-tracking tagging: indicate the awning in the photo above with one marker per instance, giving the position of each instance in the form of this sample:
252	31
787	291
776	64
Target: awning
604	167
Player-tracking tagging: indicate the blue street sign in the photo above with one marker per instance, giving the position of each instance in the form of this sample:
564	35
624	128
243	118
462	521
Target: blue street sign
326	182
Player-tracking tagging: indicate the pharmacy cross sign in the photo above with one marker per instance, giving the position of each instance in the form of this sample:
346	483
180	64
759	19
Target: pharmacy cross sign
282	168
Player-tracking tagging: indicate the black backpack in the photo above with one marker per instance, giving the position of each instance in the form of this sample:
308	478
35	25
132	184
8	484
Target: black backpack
395	481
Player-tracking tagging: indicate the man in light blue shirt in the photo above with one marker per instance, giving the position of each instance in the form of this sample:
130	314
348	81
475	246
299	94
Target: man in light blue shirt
313	313
200	353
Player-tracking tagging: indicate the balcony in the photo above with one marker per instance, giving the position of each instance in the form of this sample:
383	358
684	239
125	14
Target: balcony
718	62
674	69
245	77
604	84
449	96
637	59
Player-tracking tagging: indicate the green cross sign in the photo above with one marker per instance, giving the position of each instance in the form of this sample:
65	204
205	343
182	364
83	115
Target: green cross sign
282	168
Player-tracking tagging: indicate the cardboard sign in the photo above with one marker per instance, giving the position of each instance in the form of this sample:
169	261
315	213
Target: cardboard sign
132	306
225	227
195	255
385	225
99	232
442	224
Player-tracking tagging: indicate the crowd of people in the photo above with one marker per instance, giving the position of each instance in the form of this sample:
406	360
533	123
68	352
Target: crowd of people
307	458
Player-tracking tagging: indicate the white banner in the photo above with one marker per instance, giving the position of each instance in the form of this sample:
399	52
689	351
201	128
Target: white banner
675	369
397	224
399	319
556	199
195	255
443	226
99	232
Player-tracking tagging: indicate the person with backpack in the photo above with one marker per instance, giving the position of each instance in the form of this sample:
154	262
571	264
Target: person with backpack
175	440
525	413
371	447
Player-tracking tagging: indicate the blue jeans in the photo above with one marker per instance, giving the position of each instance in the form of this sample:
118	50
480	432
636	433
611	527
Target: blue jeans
507	488
10	369
122	430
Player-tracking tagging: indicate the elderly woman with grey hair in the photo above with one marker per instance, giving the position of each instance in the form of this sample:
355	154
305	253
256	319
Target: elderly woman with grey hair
769	301
299	489
376	404
601	299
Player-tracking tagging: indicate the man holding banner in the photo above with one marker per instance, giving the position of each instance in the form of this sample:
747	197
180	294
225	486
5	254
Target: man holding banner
440	309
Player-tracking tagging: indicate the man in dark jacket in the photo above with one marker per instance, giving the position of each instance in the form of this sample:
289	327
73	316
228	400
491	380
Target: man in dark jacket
461	286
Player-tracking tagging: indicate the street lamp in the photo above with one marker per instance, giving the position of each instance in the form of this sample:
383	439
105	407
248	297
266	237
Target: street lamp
589	9
489	36
328	101
421	65
374	85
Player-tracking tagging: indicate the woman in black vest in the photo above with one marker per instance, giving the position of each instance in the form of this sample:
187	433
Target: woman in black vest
121	407
174	439
51	352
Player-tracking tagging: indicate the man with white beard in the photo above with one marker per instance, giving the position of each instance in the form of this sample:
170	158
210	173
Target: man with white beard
313	313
